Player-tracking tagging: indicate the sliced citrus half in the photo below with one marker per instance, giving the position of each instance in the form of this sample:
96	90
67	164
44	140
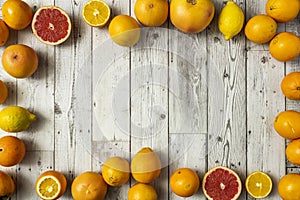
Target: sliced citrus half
51	25
96	13
51	185
258	184
221	183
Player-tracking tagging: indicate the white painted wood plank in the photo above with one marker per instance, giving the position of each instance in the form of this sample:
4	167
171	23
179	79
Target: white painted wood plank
149	99
187	103
72	112
264	102
188	151
35	163
111	89
226	99
36	92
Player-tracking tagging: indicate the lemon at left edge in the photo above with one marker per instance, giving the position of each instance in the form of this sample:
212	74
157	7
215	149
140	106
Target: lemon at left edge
231	20
15	119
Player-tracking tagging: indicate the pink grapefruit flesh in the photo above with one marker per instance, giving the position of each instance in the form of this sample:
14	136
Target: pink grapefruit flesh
221	183
51	25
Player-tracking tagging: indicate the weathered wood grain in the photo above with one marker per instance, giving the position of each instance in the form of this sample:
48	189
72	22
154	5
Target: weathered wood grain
226	99
149	99
111	98
265	148
187	103
72	133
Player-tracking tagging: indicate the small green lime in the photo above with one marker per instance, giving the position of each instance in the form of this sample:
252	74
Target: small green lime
15	119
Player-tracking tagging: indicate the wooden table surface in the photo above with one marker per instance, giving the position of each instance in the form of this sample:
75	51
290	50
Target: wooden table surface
197	100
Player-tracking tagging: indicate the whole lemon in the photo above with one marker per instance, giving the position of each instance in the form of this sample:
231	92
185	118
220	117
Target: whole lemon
145	165
231	20
15	119
124	30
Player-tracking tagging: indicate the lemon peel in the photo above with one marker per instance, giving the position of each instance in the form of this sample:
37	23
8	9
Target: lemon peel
15	119
231	20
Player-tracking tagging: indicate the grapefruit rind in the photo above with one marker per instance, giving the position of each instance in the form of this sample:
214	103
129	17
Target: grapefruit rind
41	181
34	20
230	172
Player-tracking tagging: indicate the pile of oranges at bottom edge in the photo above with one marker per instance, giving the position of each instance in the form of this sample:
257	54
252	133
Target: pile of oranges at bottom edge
145	167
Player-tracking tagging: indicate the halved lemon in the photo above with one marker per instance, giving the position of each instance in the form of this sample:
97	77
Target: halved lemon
96	13
259	184
51	185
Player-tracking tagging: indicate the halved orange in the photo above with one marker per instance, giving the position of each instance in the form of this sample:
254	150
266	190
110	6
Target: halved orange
51	185
259	184
96	13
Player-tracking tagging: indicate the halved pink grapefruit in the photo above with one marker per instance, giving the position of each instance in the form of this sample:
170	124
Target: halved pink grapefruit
51	25
221	183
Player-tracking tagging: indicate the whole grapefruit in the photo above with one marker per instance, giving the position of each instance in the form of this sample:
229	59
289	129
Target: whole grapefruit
16	14
191	16
19	60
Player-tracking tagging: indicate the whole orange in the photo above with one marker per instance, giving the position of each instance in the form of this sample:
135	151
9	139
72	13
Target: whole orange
285	46
289	187
184	182
191	16
116	171
12	151
124	30
142	191
287	124
3	92
283	10
7	185
290	86
145	165
19	60
89	186
260	29
16	14
151	12
293	152
4	33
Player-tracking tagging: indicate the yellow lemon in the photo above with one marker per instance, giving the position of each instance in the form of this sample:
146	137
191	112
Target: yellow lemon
15	119
231	20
